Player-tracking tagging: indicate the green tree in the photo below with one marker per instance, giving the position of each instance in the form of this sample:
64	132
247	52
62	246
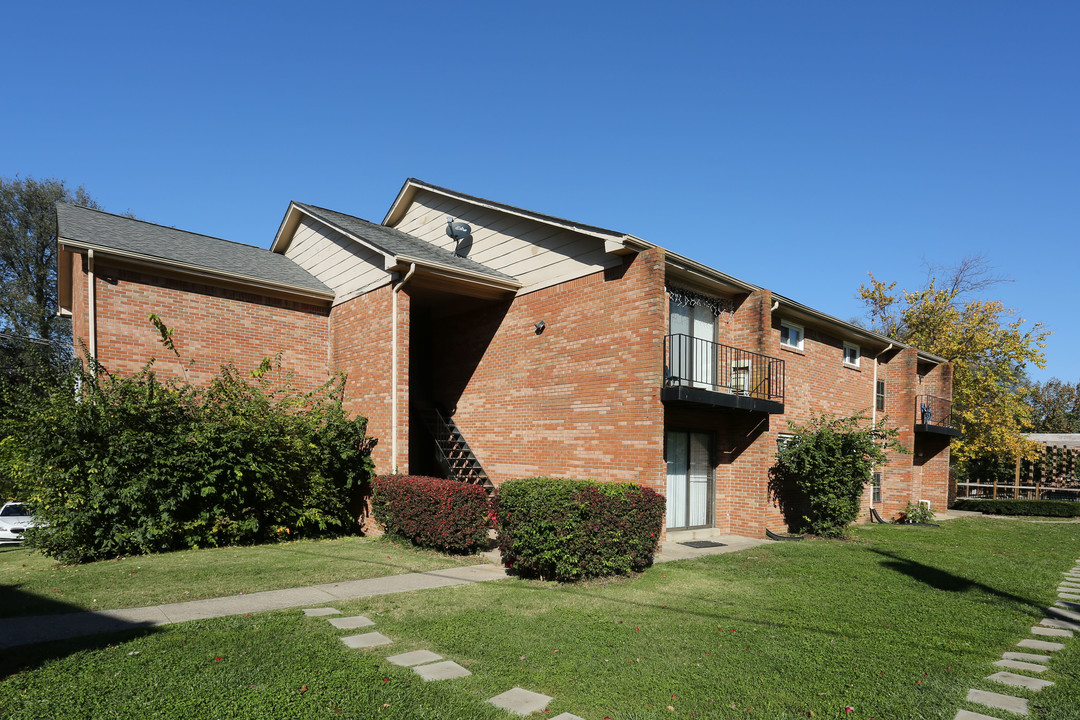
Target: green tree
1055	406
28	256
989	345
820	473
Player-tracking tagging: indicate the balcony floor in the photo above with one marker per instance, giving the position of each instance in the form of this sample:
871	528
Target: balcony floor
700	397
938	430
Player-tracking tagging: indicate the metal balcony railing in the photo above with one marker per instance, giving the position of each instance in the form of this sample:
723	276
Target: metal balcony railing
695	362
934	412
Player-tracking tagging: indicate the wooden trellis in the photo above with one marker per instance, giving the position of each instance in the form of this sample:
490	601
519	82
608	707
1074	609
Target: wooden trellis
1054	475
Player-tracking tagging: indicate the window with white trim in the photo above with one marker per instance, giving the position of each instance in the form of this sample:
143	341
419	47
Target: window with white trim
875	493
852	353
783	439
791	335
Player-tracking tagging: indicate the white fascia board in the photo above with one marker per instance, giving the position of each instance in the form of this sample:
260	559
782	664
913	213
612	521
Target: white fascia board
403	261
410	188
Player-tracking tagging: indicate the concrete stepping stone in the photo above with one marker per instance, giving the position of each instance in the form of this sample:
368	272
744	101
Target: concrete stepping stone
366	640
1020	665
419	657
1070	606
445	670
998	701
1046	645
1026	657
1070	583
1062	624
351	623
521	701
1063	612
1050	632
1068	595
1024	681
968	715
571	716
319	612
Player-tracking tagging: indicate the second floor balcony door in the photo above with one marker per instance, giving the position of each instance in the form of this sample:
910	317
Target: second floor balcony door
693	331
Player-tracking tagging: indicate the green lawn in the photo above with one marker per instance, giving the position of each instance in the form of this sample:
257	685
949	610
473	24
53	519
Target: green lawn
45	587
897	623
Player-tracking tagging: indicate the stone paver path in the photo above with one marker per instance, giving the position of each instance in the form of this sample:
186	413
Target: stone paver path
1064	623
445	670
351	623
431	666
416	657
521	701
366	640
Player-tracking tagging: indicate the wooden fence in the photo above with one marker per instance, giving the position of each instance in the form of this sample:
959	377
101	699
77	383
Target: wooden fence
1054	475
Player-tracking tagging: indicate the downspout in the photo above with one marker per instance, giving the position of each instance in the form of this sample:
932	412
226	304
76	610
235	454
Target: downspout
394	368
873	405
91	302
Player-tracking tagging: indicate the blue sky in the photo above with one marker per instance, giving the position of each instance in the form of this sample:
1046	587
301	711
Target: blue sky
795	145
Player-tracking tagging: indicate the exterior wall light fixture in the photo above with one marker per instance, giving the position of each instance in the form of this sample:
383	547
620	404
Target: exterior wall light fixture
539	327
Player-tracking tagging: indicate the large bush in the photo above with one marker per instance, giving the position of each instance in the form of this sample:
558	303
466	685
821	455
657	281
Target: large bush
447	515
820	473
1043	508
118	466
567	530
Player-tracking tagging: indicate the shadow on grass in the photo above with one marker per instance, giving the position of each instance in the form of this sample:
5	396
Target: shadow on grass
950	582
59	629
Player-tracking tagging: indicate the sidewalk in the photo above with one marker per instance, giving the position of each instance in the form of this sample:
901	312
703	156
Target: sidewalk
46	628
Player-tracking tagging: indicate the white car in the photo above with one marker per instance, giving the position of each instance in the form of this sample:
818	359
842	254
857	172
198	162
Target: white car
14	519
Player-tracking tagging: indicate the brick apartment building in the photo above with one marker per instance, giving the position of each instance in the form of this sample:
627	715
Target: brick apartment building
520	345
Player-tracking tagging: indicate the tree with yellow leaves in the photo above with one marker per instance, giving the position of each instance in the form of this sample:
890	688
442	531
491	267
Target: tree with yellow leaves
990	348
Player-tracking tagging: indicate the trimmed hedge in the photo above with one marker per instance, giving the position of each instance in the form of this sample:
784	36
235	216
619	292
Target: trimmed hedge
447	515
1045	508
566	530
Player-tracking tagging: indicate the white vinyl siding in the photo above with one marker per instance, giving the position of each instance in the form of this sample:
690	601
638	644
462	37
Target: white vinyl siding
537	254
345	265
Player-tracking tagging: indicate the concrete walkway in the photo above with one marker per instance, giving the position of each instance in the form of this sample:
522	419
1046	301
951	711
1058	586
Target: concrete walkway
45	628
18	631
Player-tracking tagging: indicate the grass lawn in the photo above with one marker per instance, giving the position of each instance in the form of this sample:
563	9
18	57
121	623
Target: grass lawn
897	623
35	585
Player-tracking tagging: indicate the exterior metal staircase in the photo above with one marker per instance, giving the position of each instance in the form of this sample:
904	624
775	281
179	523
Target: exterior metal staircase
453	453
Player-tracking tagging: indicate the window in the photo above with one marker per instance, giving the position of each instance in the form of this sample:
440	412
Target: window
851	354
875	495
791	335
879	396
783	439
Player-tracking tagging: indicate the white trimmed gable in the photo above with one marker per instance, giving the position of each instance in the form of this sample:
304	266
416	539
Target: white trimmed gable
536	253
346	266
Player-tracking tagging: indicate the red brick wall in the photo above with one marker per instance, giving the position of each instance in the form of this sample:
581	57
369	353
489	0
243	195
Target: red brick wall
581	399
360	342
212	326
817	381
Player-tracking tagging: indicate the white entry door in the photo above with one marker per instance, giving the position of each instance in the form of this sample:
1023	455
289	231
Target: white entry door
688	479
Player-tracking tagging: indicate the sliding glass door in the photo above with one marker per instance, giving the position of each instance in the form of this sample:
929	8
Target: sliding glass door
689	480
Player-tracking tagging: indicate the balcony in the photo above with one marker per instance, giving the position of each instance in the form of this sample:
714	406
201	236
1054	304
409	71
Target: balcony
702	373
934	415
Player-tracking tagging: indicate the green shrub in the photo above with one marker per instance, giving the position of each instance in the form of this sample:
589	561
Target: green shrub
120	466
1044	508
567	530
447	515
820	473
917	513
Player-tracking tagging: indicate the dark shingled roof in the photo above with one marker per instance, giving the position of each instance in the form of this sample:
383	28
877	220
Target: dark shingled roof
112	232
395	242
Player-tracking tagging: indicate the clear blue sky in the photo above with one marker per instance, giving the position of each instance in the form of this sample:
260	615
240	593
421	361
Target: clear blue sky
796	145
